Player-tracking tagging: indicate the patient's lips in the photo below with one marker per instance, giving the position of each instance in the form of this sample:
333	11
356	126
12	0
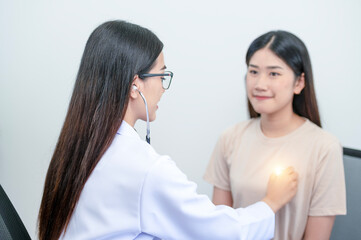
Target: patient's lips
261	97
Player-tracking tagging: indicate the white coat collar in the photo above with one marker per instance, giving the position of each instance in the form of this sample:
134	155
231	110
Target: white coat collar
127	130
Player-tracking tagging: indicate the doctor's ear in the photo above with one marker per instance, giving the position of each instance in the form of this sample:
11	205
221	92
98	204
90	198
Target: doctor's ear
133	91
135	87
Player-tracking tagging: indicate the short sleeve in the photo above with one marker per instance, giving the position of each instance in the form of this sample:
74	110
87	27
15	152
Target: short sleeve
329	192
217	172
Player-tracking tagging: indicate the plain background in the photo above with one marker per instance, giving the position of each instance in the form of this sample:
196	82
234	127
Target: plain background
41	43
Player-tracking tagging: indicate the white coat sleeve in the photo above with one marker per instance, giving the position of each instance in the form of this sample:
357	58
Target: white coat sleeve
172	209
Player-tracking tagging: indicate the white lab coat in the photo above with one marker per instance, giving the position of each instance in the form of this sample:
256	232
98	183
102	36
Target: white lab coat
134	193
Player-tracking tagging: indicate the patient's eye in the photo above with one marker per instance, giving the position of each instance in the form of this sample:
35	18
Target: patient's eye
253	72
274	74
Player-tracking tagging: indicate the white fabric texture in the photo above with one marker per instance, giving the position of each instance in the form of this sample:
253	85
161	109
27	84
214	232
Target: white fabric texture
134	193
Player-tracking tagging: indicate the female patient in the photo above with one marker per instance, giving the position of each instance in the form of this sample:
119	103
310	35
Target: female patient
104	182
284	129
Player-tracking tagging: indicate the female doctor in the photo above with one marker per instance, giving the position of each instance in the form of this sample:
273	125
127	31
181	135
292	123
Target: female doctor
104	182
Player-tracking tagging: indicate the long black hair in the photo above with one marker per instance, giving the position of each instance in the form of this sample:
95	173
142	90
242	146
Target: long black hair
115	52
293	51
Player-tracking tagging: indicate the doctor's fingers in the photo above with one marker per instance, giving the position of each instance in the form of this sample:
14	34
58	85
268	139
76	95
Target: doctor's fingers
292	178
290	171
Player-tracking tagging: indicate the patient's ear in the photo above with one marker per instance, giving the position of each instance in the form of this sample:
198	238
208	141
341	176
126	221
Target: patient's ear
299	84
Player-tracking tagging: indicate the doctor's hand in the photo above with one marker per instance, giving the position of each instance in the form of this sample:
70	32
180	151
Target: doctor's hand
282	187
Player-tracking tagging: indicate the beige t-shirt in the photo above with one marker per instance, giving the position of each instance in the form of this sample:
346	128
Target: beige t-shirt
244	158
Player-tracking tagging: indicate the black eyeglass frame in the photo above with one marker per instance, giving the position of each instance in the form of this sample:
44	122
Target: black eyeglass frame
166	73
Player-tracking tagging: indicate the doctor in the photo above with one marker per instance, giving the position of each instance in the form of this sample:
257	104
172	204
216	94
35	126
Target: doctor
104	182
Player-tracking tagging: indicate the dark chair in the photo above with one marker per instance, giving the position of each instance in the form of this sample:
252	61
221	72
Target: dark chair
349	226
11	226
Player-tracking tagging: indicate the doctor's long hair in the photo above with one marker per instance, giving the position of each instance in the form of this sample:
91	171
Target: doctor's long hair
115	52
294	53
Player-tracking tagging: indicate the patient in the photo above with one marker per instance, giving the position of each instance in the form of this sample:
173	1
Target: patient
284	129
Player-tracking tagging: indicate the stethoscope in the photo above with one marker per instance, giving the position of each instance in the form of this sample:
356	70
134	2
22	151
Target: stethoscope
147	137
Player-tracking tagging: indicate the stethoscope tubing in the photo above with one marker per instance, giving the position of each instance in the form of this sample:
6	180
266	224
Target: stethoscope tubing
147	137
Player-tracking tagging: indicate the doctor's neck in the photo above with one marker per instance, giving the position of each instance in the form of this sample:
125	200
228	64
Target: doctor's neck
130	116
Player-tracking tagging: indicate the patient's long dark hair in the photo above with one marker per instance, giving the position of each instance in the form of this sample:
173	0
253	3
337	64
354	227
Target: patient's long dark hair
293	51
115	52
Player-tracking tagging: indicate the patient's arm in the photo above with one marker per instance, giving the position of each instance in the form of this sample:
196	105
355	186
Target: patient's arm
222	197
319	227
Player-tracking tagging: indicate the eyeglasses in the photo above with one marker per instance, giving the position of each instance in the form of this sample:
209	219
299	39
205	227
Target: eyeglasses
166	78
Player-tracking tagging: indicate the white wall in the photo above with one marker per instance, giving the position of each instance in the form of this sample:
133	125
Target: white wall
41	43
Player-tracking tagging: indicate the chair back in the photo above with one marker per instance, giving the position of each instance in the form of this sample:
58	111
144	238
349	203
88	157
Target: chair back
349	226
11	226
